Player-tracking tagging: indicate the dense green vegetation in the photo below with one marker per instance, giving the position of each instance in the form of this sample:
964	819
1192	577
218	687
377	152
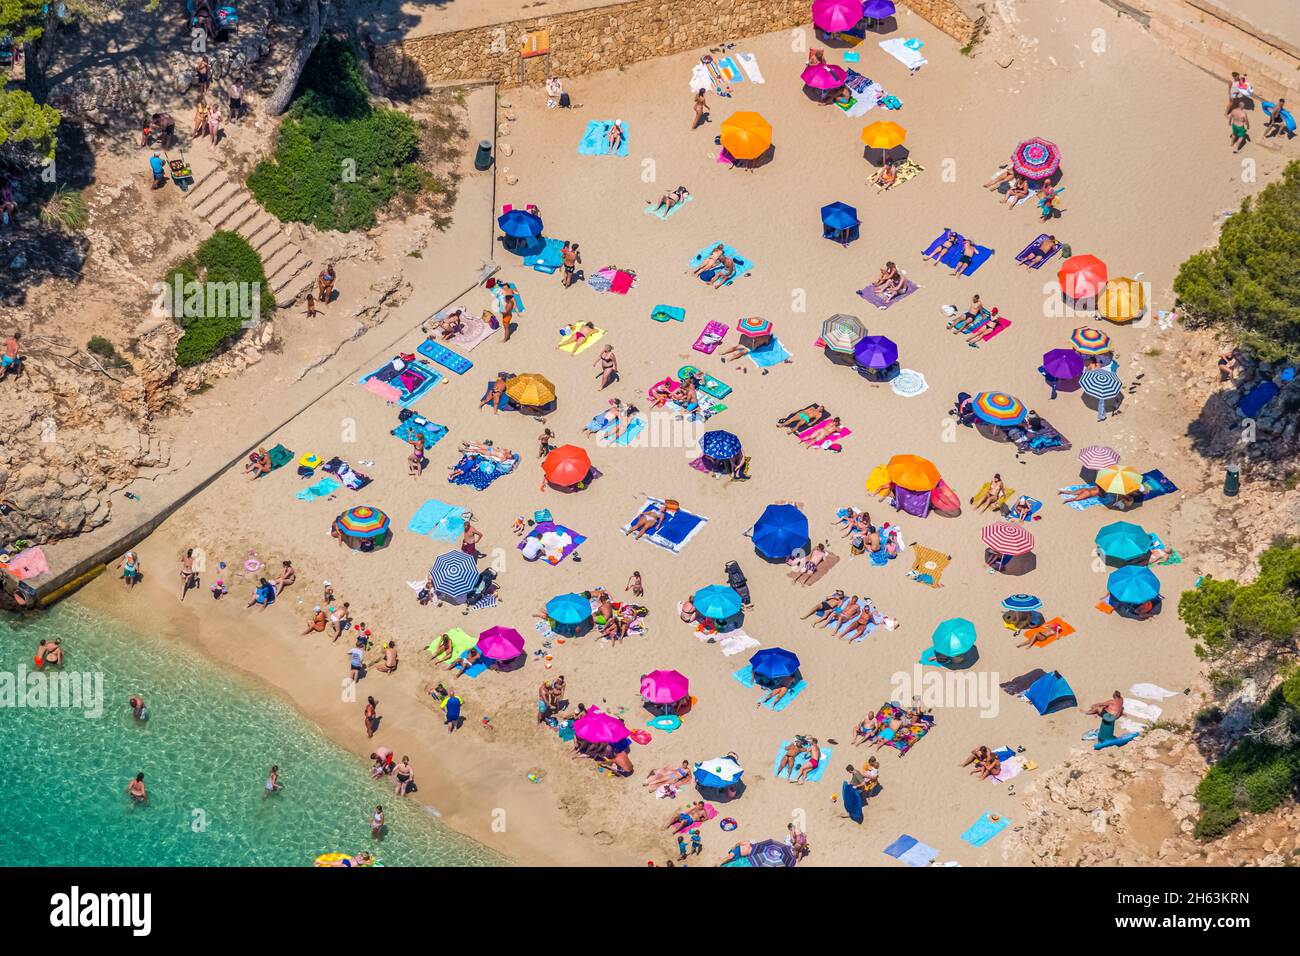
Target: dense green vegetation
1244	626
1249	284
337	160
213	317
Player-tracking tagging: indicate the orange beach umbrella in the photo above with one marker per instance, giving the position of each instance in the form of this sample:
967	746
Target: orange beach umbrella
746	135
913	472
566	466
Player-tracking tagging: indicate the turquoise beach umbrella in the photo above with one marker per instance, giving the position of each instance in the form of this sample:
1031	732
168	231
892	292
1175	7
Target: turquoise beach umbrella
1123	541
1133	585
954	637
568	609
717	601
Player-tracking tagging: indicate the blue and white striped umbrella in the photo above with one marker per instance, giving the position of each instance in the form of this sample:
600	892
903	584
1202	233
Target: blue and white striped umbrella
1022	602
454	574
1100	383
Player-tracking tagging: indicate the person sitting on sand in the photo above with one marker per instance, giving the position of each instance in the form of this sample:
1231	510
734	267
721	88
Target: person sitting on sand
803	418
961	319
286	576
259	464
985	761
495	393
688	612
867	728
725	271
465	662
317	621
1079	494
991	495
1022	508
614	138
388	662
712	259
965	259
263	594
671	200
886	176
1041	252
1019	190
814	752
949	240
442	650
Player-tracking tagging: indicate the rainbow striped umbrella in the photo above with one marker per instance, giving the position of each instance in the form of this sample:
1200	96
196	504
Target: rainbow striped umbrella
1098	456
1036	158
841	332
1090	341
999	408
754	325
362	521
1007	538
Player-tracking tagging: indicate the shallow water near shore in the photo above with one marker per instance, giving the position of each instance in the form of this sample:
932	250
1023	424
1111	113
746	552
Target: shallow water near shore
205	752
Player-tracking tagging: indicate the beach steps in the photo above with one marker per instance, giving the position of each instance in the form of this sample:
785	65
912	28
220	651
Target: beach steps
225	204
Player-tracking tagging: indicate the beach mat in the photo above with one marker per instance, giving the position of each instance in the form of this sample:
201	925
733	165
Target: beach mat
438	353
438	520
743	265
1024	253
716	328
908	849
872	296
595	141
418	425
982	254
668	313
321	489
984	829
676	531
279	456
661	214
1155	484
799	761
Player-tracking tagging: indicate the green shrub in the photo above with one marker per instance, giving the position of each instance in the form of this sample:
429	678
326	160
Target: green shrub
101	347
210	322
337	161
1214	823
1268	786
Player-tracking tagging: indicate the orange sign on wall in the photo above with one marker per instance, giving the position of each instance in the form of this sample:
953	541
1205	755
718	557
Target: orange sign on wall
536	43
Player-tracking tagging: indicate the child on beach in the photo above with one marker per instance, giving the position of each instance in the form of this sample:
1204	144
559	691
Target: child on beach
634	585
681	847
697	842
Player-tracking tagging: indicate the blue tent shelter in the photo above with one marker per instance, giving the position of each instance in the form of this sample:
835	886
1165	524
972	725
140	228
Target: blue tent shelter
1051	693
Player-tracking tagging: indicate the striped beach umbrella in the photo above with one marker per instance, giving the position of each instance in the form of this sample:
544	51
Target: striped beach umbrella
1021	602
1082	277
362	521
833	16
531	389
1005	537
1100	383
876	351
500	643
1098	456
454	574
1118	480
913	473
718	773
1133	585
999	408
1036	158
1090	341
953	637
824	76
771	854
717	601
1123	541
719	445
754	326
1122	300
568	609
746	135
842	332
566	466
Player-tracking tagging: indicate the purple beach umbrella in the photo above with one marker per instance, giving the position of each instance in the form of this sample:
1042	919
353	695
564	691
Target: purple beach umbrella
876	351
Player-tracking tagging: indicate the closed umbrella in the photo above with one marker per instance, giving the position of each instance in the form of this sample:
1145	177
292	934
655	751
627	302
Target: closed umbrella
1004	537
839	215
531	389
454	574
1133	585
1082	277
1119	480
835	16
719	445
568	609
913	472
664	687
1122	300
1098	456
746	135
876	351
953	637
999	408
771	854
1064	364
500	643
780	531
1021	602
824	76
1036	159
1100	383
520	224
774	663
718	773
566	466
598	727
1123	541
717	601
1090	341
842	332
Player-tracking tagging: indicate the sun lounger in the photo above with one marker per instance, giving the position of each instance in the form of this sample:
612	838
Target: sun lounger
571	344
713	328
595	140
799	761
1024	253
743	265
876	299
440	354
1044	631
928	565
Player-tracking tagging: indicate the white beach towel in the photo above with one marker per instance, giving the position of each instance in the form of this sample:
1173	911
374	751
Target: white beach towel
1141	710
749	63
735	642
898	49
700	79
1130	726
1150	691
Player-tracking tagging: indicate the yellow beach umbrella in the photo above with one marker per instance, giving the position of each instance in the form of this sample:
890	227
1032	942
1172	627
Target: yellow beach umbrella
746	135
1120	480
531	389
883	135
1122	300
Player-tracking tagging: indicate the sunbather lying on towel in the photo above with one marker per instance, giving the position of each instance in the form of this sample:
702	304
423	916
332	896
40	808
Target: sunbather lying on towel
615	136
809	564
950	238
712	260
485	449
804	417
677	776
890	283
495	394
774	695
605	418
447	327
826	605
649	521
992	494
625	419
1079	494
1045	633
886	176
671	200
1041	253
820	433
1006	176
696	813
963	319
966	258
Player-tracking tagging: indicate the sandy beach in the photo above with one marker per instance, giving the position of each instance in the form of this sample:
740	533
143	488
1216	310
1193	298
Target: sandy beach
1146	170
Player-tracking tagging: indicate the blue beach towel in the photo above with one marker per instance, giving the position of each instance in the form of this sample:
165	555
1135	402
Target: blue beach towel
1155	484
476	669
1257	398
745	676
851	800
982	254
595	140
659	213
480	472
773	353
788	698
743	265
984	829
547	259
635	428
503	404
418	425
438	520
677	529
911	851
326	486
799	761
439	353
1025	252
499	297
668	313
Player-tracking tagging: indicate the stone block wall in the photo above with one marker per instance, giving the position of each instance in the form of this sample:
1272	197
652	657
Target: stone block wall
586	41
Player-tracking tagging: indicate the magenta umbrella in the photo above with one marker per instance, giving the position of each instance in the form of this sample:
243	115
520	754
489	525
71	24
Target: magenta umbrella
836	15
500	643
664	687
598	727
824	76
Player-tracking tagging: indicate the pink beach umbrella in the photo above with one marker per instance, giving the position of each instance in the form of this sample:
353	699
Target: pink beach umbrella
598	727
824	76
836	15
500	643
664	687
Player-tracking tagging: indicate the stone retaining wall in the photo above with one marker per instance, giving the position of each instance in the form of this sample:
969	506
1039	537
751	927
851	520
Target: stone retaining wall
602	38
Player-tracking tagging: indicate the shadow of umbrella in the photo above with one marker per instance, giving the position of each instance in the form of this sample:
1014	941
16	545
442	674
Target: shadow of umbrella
878	157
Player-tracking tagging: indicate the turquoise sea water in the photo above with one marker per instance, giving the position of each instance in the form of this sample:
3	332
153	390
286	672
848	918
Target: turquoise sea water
205	753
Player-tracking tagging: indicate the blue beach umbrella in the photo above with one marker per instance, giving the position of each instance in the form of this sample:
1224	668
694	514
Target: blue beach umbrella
954	637
1133	585
774	663
718	773
568	609
1123	541
780	531
839	215
1021	602
719	445
454	574
520	224
1100	383
717	601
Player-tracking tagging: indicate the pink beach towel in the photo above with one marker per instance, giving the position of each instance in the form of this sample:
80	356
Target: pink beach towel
1010	768
28	564
716	328
622	282
725	158
669	383
998	325
832	441
383	390
710	812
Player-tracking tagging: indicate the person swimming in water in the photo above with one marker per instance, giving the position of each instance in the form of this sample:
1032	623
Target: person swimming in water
136	790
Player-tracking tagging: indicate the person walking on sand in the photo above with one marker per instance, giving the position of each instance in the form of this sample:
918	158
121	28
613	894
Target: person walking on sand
701	109
371	716
189	576
469	540
1239	125
608	363
508	304
569	258
325	284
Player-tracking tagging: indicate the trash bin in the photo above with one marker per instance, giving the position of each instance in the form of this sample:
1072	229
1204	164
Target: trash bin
1232	481
483	159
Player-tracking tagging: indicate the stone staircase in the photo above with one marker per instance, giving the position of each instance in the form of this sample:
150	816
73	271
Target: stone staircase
224	204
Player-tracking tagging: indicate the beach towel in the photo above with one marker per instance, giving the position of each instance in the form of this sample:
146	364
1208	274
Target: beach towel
503	404
743	265
745	676
908	849
985	829
712	329
709	386
570	343
875	298
474	669
1155	484
909	383
851	801
904	54
1045	631
460	641
773	353
1141	710
668	313
928	565
1150	692
595	141
321	489
660	213
553	552
1080	505
786	699
999	325
499	296
799	761
950	258
1009	770
478	472
473	332
701	80
705	408
418	425
545	259
729	69
279	456
440	354
675	532
749	63
438	520
634	428
1024	253
731	643
410	379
